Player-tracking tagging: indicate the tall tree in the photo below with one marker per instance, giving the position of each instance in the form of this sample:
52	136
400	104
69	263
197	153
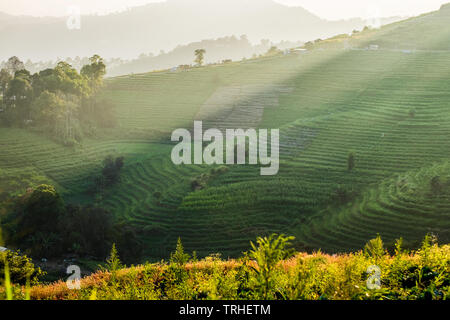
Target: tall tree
5	78
94	72
70	81
14	64
48	109
199	56
19	95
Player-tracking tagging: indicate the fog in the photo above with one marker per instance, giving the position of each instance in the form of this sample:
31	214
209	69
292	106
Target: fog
327	9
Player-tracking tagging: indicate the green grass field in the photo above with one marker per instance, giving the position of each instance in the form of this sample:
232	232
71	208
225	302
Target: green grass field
390	108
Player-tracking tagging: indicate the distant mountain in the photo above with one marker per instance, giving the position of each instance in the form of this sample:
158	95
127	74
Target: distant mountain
163	26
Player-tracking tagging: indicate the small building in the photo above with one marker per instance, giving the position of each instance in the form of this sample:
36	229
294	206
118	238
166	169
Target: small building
374	47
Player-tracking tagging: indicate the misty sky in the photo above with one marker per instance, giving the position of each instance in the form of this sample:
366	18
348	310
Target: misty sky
329	9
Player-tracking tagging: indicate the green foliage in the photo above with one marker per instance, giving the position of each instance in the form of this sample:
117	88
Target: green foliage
199	56
113	263
179	257
41	210
86	231
20	268
94	72
375	248
110	173
303	277
273	51
54	100
111	169
201	181
269	252
43	226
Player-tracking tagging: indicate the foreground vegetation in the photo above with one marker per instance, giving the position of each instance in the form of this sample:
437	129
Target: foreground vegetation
270	270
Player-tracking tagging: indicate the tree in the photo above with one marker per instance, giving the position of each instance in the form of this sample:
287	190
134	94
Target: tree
42	210
128	243
5	78
179	257
89	228
351	161
46	80
270	251
69	81
375	248
273	51
19	93
94	72
21	268
113	263
199	56
14	64
111	169
48	108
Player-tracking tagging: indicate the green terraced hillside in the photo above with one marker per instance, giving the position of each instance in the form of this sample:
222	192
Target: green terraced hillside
390	108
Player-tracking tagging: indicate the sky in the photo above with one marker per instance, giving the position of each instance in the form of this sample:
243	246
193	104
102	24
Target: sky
327	9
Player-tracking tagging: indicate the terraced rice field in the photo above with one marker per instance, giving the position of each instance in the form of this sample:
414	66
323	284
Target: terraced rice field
392	110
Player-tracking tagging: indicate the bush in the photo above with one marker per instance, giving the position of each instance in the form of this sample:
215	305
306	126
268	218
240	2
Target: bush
21	268
110	172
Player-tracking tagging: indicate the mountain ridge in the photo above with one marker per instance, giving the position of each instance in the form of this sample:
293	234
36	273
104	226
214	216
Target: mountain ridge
139	30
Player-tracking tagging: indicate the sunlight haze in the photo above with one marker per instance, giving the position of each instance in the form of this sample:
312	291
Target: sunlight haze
326	9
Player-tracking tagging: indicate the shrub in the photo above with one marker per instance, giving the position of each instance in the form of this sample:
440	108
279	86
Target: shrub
179	257
270	251
21	268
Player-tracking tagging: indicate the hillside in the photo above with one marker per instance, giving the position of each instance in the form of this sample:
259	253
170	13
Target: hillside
428	32
130	33
387	107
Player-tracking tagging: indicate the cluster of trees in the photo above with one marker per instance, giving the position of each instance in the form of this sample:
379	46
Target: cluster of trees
60	100
42	225
76	62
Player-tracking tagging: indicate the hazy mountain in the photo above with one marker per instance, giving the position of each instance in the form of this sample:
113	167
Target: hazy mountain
162	26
